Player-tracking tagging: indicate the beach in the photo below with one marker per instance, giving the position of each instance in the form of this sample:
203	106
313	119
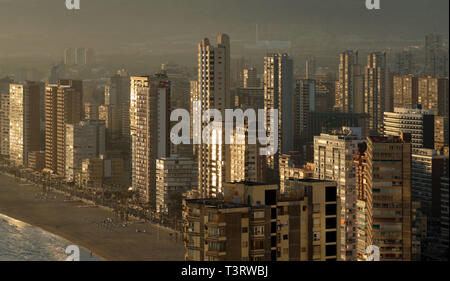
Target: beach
90	227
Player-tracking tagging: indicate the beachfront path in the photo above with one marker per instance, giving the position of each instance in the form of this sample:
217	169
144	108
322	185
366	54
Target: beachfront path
84	226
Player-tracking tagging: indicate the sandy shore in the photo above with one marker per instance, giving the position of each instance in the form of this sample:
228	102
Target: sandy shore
85	226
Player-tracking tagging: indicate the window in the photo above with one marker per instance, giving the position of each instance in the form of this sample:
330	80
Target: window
330	237
330	209
330	250
330	193
285	237
245	230
330	223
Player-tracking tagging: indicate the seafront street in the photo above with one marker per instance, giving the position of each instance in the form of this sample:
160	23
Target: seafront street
108	223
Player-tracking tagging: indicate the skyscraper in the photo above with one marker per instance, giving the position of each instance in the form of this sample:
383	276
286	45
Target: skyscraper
63	105
436	57
4	115
85	139
404	63
333	160
427	169
310	68
279	94
406	91
349	87
417	122
213	93
374	91
304	104
250	78
117	96
383	173
433	94
440	133
174	176
149	129
24	120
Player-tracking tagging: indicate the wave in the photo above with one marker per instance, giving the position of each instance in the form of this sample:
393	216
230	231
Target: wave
23	242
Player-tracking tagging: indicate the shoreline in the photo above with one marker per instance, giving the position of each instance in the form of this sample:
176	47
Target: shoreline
92	228
83	250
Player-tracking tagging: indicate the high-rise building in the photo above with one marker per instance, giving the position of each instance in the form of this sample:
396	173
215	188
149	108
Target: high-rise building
244	162
433	94
349	94
91	173
291	169
249	98
325	92
250	78
417	122
85	139
279	94
252	223
383	181
375	90
63	105
440	133
406	91
149	128
91	111
436	57
69	56
310	68
174	176
324	122
4	115
78	56
117	97
427	169
444	214
24	120
304	103
333	160
404	63
213	94
36	160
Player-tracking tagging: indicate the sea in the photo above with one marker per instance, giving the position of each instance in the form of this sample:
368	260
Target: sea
20	241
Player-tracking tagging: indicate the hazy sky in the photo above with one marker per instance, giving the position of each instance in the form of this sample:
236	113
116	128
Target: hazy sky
45	27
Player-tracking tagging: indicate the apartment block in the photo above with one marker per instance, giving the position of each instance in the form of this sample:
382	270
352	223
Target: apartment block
440	133
406	91
24	118
383	173
417	122
63	105
85	139
333	160
149	127
174	176
253	223
4	116
433	94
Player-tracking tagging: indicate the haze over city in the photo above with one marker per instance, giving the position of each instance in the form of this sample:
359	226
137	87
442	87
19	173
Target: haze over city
207	130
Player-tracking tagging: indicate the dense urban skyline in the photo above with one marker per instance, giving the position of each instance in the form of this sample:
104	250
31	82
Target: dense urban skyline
321	137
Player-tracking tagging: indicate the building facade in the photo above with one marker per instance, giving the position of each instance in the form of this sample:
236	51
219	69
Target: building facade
24	120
